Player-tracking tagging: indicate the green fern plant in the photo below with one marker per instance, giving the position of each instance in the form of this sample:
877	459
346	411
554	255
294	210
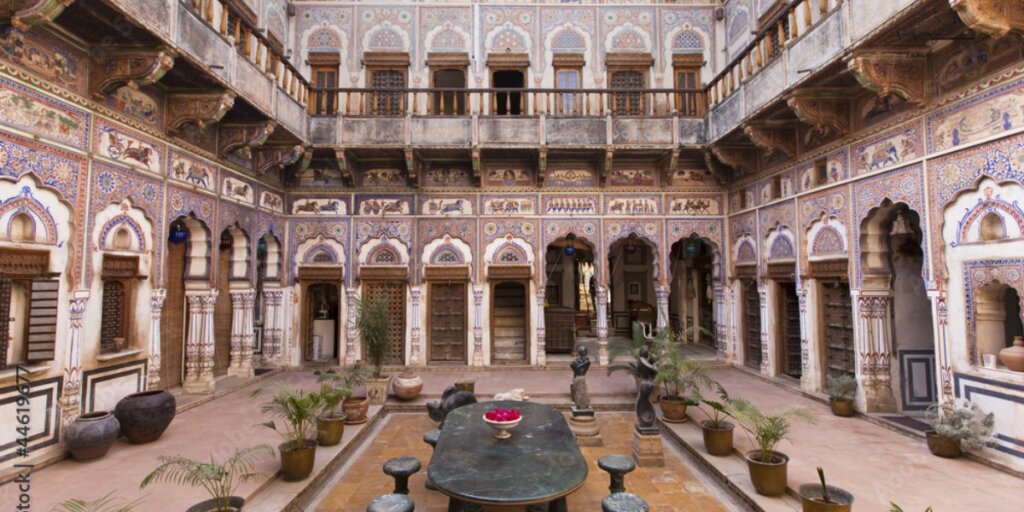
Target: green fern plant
767	430
721	408
219	479
295	407
108	503
622	353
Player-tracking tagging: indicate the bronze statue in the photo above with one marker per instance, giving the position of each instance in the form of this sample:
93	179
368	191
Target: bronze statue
578	388
646	369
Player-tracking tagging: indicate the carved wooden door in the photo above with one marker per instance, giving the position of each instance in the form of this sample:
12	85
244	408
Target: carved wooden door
628	103
840	357
752	323
393	292
447	322
790	326
222	316
5	320
173	321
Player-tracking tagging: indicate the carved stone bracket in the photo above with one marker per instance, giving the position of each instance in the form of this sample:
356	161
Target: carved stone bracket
410	167
271	158
713	168
115	68
672	166
242	139
993	17
475	157
200	109
772	137
606	166
344	166
25	14
901	72
827	110
740	158
542	165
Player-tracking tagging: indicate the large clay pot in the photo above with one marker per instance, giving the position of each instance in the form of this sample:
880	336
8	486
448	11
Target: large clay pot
329	429
1013	357
466	385
718	441
407	386
810	499
768	477
297	460
144	416
235	503
355	409
943	446
841	407
673	409
91	435
377	389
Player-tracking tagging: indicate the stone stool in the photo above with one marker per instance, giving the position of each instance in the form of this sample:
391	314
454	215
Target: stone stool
617	466
391	503
623	502
431	439
400	468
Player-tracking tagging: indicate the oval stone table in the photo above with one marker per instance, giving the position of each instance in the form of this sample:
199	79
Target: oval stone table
541	463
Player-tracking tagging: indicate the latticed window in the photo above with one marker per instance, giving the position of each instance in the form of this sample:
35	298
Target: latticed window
386	103
322	257
447	256
632	103
112	325
385	257
509	256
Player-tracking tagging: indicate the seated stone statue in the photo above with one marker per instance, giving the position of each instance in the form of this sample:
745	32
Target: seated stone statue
578	388
451	399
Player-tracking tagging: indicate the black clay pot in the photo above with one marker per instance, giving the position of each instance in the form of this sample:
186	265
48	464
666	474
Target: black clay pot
144	416
234	503
91	435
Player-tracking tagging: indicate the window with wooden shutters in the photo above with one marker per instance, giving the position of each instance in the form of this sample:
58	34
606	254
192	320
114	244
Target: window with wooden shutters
324	69
382	102
840	356
5	320
113	321
630	103
687	76
42	321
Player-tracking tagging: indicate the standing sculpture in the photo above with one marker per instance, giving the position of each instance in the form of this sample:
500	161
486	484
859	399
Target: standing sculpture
646	369
578	388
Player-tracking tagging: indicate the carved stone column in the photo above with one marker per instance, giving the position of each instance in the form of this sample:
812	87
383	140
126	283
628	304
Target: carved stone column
272	327
156	307
874	349
762	295
70	405
478	325
661	292
352	298
602	324
200	343
242	336
541	334
721	332
943	368
806	379
416	357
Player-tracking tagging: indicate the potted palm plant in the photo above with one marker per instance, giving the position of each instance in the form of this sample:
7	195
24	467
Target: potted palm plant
717	429
823	497
840	394
958	425
108	503
767	466
297	410
219	479
372	324
336	389
678	377
622	352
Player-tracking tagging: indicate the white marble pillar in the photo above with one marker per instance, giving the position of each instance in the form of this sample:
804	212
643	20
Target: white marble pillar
200	343
541	334
272	327
70	404
721	323
943	365
873	335
806	378
478	325
661	293
156	307
766	325
415	335
242	336
352	333
602	324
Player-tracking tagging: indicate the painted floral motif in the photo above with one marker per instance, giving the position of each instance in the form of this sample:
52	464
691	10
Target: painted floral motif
55	167
828	242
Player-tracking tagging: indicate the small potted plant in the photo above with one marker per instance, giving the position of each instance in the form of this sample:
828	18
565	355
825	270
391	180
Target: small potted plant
108	503
219	479
298	411
330	423
678	377
840	394
896	508
768	467
958	425
372	324
823	497
717	429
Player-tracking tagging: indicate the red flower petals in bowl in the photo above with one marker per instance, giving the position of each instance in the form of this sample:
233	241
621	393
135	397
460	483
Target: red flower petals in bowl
503	415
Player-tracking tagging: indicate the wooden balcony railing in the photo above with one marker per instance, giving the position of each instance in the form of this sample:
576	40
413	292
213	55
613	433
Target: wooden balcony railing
504	101
253	45
787	25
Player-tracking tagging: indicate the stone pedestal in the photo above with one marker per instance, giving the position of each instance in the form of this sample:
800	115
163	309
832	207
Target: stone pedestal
585	428
648	451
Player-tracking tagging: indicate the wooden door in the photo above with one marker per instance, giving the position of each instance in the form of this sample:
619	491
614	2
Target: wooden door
447	322
173	321
5	319
789	324
752	324
627	103
394	293
222	316
840	358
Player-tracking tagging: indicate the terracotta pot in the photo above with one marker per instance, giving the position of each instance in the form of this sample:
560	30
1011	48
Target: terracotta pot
841	407
810	499
329	429
718	441
1013	357
943	446
235	503
297	460
144	416
769	478
377	389
355	409
91	435
673	409
407	386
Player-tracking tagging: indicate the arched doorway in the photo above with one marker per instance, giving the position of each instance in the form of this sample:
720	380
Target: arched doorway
268	268
232	267
187	260
510	317
323	306
631	278
508	102
693	271
570	288
780	286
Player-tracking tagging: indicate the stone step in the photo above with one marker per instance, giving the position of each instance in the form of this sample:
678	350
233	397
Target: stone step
501	341
501	302
509	321
508	312
507	332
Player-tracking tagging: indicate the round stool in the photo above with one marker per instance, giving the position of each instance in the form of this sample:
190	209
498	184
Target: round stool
617	466
623	502
431	439
400	468
391	503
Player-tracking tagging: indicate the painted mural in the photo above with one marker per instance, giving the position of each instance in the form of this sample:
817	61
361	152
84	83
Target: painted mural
384	177
439	175
139	104
383	206
128	148
319	206
271	201
54	61
446	206
632	205
631	177
509	205
507	176
319	177
238	190
570	177
572	205
193	172
889	149
694	206
992	112
28	110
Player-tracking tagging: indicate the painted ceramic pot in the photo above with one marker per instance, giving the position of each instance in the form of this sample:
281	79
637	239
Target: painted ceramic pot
91	435
355	409
144	416
407	386
1013	357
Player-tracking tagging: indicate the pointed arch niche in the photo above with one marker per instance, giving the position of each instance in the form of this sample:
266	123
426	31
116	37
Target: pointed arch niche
320	273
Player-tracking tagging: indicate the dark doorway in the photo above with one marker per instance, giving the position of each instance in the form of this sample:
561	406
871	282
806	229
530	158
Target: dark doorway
392	292
751	324
509	322
840	358
789	330
508	102
322	322
449	103
447	322
174	321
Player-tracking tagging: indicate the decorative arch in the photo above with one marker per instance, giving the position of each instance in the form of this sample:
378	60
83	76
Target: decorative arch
44	214
780	244
197	253
383	251
745	252
568	40
272	256
716	255
277	23
26	205
447	251
874	236
324	38
240	253
992	203
688	40
651	244
320	251
509	37
509	250
447	38
628	38
117	219
386	37
828	239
